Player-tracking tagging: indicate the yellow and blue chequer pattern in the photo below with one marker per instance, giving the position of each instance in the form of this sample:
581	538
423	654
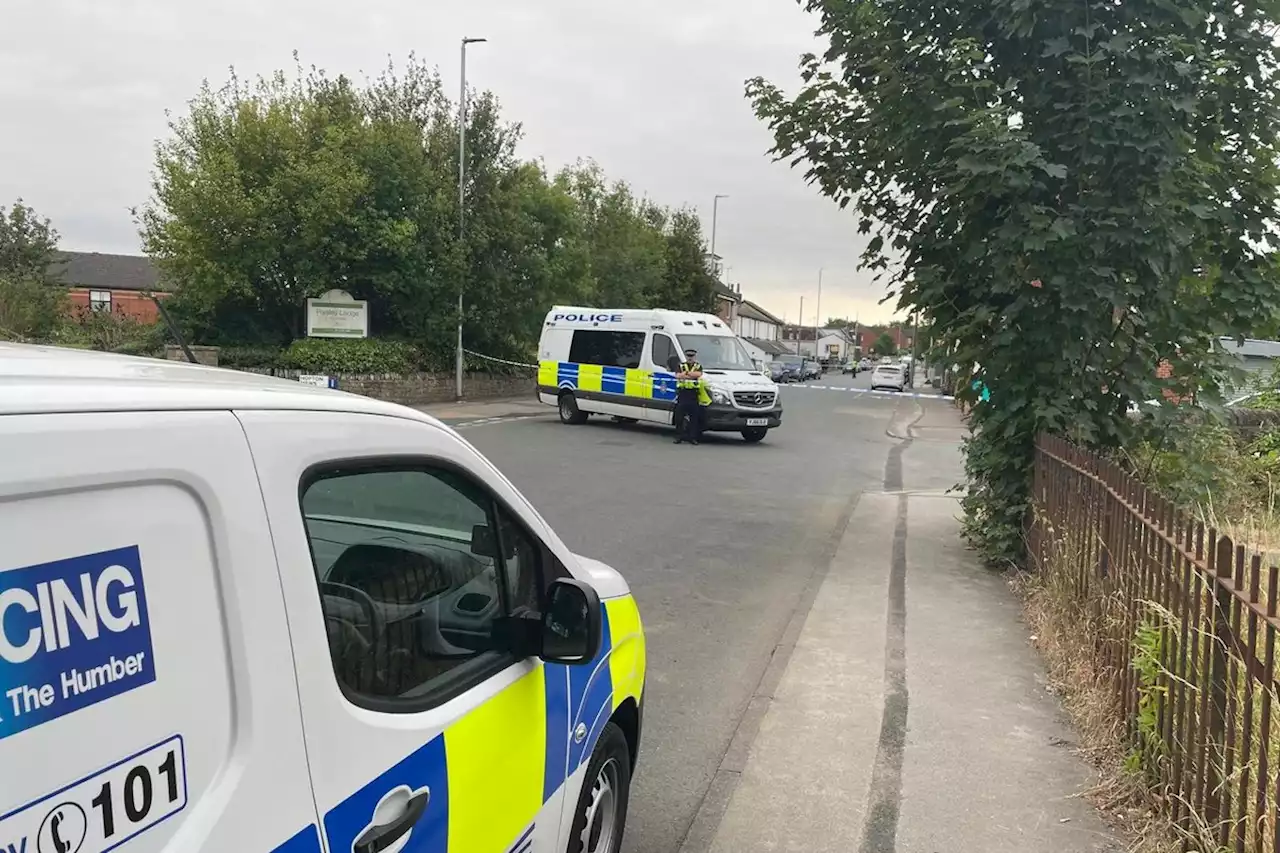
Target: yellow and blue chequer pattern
621	381
491	772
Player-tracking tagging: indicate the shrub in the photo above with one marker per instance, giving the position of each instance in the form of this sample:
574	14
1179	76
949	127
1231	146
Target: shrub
250	356
110	331
368	355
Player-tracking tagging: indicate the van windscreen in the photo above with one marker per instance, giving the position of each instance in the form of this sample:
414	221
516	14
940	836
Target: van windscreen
718	352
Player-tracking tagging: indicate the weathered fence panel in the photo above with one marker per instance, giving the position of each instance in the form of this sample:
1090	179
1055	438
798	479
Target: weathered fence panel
1184	623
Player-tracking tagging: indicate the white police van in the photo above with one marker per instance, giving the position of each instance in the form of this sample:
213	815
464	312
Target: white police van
623	363
243	614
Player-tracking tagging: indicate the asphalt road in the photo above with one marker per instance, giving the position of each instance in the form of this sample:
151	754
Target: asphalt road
718	543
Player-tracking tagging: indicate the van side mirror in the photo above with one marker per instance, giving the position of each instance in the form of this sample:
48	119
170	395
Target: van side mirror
572	624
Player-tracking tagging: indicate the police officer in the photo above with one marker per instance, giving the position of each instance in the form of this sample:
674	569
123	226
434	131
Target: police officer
688	381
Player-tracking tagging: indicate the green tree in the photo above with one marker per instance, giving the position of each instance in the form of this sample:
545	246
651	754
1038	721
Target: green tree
686	283
28	243
624	236
272	192
1067	190
31	302
884	345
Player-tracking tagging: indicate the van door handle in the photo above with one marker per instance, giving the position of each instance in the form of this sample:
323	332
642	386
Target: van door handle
375	839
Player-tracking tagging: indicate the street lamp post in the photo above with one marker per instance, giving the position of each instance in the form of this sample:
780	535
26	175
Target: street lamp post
715	213
462	195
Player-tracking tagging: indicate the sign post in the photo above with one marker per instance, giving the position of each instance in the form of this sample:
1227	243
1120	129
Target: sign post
337	315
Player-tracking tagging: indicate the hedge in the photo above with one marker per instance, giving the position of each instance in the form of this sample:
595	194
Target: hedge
366	355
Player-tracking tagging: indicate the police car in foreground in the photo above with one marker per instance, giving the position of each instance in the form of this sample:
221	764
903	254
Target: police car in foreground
242	614
623	363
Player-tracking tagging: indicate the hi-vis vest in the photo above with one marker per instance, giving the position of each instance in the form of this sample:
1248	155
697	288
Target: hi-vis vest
689	367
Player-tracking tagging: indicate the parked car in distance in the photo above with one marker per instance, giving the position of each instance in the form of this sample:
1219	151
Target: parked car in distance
864	365
779	372
889	376
850	367
812	368
794	366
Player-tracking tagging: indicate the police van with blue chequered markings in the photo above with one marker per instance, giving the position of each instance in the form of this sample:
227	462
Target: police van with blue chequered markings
242	614
624	362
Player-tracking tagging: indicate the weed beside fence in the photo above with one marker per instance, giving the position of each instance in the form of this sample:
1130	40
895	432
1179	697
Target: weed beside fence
1183	624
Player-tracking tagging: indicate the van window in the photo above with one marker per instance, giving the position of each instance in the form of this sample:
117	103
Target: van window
410	568
663	351
718	352
611	349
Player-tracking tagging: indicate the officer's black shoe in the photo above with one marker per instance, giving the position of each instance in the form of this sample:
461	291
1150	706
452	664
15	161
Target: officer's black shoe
678	441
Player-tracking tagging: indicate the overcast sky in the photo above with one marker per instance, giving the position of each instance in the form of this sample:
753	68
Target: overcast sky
652	91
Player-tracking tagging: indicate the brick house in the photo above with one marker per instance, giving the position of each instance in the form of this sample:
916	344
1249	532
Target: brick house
121	284
727	301
901	336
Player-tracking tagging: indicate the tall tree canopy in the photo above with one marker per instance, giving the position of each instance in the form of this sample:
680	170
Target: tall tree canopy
30	301
272	191
1068	190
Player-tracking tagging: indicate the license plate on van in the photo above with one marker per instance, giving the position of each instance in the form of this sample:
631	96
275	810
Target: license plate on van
757	421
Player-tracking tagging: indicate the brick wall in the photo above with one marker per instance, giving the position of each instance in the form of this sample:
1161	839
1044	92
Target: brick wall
420	389
128	302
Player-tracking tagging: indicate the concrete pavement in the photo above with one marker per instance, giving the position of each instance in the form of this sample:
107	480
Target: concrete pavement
473	413
913	717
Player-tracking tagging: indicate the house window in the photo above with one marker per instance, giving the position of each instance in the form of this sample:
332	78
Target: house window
100	300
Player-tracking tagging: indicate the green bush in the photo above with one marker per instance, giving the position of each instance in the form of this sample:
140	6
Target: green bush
368	355
110	331
250	356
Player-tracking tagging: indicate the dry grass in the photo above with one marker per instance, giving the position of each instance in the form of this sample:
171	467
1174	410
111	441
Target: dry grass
1060	632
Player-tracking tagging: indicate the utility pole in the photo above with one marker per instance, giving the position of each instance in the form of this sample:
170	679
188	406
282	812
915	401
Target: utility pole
800	327
462	201
715	215
817	318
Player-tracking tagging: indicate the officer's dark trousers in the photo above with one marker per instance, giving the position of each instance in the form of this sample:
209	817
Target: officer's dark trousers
687	407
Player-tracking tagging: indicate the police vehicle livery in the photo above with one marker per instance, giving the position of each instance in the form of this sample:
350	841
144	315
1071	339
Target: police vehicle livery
240	613
623	363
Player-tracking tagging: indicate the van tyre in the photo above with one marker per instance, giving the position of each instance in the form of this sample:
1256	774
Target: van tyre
601	813
754	435
569	411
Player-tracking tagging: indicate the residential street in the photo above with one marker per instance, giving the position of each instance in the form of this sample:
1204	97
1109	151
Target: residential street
772	581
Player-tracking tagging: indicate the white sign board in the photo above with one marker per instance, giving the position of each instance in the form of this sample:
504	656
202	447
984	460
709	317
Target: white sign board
318	381
337	315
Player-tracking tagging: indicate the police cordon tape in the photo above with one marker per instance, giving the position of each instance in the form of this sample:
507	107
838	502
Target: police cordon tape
877	391
909	394
500	360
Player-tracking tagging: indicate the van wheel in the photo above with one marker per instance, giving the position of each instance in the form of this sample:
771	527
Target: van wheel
754	435
601	814
569	411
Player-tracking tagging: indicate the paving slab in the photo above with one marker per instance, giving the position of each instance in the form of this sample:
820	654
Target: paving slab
480	410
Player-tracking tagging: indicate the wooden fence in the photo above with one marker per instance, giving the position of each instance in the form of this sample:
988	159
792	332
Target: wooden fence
1184	623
